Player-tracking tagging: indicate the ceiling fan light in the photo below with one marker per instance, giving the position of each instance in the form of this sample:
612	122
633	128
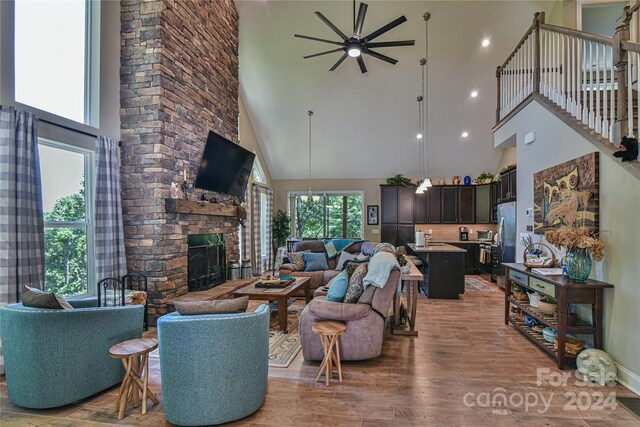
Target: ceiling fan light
353	52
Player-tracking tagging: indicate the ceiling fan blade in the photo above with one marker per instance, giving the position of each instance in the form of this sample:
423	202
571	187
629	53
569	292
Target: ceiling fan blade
317	39
357	29
342	58
380	56
392	44
391	25
330	25
323	53
363	67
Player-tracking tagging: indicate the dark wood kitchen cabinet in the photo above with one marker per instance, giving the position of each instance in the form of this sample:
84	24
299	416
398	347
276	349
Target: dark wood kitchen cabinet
450	205
508	186
421	212
495	199
389	202
406	198
397	204
397	235
483	204
466	202
434	205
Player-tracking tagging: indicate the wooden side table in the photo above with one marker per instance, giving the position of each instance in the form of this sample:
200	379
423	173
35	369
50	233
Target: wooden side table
134	355
329	333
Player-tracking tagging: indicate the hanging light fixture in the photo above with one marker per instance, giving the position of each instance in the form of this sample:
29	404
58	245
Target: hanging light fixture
310	195
423	112
420	137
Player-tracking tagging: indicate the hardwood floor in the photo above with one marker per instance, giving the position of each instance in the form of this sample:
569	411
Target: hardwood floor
463	347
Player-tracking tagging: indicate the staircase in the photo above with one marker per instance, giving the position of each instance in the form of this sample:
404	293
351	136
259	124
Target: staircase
580	77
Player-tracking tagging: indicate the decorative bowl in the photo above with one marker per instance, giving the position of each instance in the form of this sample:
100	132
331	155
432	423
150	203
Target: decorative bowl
549	334
520	296
572	346
530	321
547	307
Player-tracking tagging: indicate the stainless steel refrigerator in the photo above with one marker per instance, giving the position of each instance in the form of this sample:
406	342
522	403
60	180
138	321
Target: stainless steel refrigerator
506	237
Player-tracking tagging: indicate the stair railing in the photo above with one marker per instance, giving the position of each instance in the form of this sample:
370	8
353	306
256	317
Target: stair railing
594	78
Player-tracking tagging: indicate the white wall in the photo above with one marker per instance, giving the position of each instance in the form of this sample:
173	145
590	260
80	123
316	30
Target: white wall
619	219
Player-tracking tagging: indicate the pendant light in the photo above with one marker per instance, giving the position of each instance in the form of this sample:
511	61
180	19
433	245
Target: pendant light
423	111
310	195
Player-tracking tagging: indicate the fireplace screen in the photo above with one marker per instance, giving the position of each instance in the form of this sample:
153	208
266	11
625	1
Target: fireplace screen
206	261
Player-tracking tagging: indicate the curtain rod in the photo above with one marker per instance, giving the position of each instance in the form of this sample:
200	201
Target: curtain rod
74	130
258	184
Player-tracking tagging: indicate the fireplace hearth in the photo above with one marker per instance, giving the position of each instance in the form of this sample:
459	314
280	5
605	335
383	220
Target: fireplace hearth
206	261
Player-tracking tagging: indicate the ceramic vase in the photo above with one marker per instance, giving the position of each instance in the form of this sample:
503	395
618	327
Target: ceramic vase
579	265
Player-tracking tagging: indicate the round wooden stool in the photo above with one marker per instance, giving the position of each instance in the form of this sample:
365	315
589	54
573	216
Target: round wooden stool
329	333
130	352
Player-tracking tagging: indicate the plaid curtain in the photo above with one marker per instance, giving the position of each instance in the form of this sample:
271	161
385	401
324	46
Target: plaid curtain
270	228
21	213
246	236
109	229
255	228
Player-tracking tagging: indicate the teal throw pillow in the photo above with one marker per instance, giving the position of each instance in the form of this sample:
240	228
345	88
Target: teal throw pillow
338	288
315	261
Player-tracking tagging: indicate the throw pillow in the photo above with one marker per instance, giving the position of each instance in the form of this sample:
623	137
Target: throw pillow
221	306
356	285
32	297
296	259
344	257
315	261
338	288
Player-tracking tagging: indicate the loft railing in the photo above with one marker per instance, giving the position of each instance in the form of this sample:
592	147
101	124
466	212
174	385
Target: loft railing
593	77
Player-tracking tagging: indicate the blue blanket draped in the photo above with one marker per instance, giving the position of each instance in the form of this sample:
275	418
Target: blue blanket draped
335	246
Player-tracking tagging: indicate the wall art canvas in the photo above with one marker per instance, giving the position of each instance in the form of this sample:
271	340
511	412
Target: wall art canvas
372	214
567	194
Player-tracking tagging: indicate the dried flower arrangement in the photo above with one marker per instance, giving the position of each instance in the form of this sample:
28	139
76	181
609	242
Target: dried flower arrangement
577	238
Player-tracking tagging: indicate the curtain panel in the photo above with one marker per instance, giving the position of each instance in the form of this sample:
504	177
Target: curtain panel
269	233
109	230
245	231
21	211
256	230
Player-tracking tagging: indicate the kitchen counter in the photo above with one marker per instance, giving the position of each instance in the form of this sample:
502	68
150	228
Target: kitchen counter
435	248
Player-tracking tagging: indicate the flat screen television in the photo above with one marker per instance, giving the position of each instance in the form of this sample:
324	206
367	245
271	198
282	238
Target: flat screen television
225	166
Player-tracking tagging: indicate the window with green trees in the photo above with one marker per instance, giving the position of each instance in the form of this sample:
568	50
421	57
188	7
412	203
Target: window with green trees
66	219
334	215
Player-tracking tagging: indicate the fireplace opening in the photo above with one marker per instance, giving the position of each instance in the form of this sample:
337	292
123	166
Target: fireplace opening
207	260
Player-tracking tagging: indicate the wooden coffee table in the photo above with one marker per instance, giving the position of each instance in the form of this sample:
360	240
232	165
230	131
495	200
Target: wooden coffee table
281	295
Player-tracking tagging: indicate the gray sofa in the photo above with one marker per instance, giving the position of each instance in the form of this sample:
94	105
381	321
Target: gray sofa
321	278
366	322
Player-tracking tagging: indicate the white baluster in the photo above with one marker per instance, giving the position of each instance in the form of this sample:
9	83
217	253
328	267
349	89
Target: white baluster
563	75
605	94
591	111
571	74
630	59
597	112
613	99
585	109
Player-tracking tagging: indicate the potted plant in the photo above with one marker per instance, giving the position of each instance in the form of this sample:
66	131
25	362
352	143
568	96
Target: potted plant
281	228
485	178
399	180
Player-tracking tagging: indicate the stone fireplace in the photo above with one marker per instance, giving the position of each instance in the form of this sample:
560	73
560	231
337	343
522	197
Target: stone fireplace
178	80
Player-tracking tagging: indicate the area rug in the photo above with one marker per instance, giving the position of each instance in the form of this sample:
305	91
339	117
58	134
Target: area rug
478	284
283	348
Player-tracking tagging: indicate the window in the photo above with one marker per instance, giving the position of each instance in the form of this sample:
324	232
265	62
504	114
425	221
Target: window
258	172
335	215
68	232
53	57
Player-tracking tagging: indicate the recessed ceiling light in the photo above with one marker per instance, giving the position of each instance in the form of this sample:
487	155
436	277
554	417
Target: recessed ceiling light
474	93
419	136
486	42
465	134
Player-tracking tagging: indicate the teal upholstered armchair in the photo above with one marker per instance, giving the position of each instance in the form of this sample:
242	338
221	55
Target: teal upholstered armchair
214	367
57	357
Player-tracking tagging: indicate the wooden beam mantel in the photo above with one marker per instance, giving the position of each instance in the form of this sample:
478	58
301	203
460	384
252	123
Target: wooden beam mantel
199	208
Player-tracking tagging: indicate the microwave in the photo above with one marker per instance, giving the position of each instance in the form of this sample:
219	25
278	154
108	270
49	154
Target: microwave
484	235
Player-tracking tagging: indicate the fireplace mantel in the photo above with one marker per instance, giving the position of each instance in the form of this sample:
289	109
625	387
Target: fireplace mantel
199	208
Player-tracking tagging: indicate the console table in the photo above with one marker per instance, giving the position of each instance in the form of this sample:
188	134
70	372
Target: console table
564	292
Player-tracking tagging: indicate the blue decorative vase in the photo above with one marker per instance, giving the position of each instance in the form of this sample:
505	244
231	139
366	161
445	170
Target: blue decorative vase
579	265
467	180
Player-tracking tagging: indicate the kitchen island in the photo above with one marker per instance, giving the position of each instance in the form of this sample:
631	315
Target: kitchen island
444	269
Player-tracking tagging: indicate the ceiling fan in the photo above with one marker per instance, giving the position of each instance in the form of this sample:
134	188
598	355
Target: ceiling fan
357	45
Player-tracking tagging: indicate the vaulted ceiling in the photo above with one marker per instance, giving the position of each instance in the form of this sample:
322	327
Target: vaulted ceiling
365	125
